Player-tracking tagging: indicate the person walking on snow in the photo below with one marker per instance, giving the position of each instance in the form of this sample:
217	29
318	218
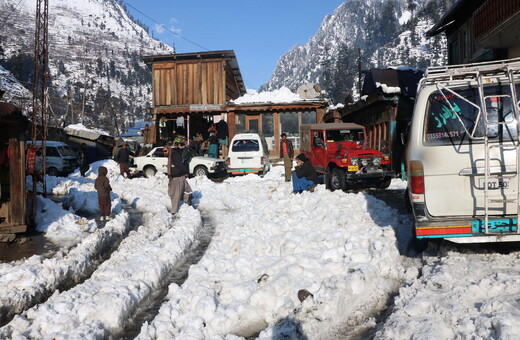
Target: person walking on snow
304	176
123	158
178	174
103	188
286	154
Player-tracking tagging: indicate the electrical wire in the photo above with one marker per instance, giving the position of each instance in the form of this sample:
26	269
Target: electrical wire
9	15
166	28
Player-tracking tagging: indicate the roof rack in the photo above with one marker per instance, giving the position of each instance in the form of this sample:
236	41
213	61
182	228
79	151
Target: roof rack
472	71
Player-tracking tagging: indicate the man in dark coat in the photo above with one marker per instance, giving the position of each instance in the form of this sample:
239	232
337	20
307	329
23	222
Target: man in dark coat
177	174
286	154
304	176
123	158
83	159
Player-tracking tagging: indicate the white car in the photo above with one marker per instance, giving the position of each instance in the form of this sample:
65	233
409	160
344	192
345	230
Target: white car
155	161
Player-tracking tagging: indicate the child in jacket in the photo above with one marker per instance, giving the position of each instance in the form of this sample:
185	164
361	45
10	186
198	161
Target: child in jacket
103	189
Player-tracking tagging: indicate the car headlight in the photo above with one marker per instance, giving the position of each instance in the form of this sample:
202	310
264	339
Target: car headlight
354	161
364	161
377	160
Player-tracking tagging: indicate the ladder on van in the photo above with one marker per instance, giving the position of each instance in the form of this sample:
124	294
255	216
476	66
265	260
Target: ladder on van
506	73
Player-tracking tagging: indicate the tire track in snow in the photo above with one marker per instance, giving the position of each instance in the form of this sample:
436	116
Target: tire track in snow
101	306
39	277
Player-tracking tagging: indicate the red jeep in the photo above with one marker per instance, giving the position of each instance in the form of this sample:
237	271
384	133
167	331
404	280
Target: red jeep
339	151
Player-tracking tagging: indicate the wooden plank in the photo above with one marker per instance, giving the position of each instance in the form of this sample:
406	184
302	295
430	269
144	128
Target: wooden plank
174	86
17	177
156	90
168	87
204	83
199	82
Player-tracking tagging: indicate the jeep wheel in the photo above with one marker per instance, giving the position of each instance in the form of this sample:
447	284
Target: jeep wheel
149	171
200	170
52	171
384	183
337	180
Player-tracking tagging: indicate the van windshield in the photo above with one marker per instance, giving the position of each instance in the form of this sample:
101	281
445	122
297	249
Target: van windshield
240	145
345	135
454	114
66	151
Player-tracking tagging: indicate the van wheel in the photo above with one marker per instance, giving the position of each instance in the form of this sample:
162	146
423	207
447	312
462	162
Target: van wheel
149	171
52	171
337	180
201	170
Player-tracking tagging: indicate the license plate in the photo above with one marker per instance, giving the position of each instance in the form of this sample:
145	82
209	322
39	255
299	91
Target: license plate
494	183
353	168
503	225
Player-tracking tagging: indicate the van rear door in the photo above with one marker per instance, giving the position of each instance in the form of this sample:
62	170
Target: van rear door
246	153
453	152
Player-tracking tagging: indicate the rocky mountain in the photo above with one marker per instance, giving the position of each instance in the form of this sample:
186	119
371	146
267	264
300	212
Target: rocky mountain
95	47
380	33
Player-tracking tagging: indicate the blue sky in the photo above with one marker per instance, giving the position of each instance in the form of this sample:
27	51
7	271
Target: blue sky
259	31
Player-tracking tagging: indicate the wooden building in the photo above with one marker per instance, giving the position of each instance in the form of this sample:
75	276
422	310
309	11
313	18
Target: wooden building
481	30
193	90
13	198
385	111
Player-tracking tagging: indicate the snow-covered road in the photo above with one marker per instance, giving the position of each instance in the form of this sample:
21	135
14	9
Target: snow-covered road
268	247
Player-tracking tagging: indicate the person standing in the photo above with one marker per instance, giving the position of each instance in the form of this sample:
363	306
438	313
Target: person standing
286	154
222	136
103	188
304	176
213	144
123	159
83	159
178	174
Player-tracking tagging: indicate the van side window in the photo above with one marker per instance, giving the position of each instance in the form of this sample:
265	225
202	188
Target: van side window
52	152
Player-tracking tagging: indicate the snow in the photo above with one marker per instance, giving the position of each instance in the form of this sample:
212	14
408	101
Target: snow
267	247
388	89
281	95
81	127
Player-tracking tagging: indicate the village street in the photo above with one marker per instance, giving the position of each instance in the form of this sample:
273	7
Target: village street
248	260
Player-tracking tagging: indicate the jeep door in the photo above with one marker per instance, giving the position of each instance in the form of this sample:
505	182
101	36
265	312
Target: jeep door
318	150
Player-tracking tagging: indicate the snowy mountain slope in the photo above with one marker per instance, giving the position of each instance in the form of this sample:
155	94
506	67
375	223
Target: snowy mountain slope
14	91
384	32
93	44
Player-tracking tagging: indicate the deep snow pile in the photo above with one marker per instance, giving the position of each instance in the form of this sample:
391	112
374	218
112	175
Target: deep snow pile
268	244
459	296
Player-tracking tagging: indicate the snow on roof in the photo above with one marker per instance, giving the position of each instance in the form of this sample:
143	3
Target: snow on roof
388	89
81	131
282	95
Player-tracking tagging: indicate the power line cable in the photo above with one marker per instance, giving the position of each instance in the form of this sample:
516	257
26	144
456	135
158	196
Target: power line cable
169	30
9	15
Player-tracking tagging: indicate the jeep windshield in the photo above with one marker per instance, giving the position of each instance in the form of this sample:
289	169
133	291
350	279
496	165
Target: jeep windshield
455	115
345	135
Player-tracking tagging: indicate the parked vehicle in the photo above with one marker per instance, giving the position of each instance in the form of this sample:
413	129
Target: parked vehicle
340	152
463	153
60	158
156	160
248	153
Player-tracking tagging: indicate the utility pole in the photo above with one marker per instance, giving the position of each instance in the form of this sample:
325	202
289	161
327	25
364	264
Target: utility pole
359	71
40	98
84	95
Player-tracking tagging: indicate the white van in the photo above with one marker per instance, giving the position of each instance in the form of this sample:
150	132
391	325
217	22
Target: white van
463	153
248	153
60	158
